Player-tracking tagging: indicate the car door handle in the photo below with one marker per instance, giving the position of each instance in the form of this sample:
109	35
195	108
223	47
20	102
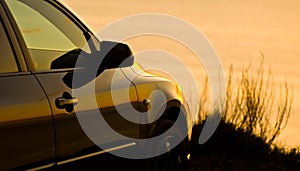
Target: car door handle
66	101
61	102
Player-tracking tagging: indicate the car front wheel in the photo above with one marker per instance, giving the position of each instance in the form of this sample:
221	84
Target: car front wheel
174	159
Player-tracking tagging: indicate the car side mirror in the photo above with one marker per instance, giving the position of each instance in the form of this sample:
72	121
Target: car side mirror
111	54
116	55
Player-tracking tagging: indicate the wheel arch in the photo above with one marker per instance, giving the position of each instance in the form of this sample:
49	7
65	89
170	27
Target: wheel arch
171	112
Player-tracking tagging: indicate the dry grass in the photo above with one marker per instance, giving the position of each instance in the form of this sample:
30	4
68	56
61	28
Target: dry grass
255	112
253	103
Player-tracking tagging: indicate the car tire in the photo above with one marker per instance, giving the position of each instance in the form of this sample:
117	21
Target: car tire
174	159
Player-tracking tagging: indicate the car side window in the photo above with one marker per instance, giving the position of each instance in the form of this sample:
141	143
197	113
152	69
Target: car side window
7	59
48	33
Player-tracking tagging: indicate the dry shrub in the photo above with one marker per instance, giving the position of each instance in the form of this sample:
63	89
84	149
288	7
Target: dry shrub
254	104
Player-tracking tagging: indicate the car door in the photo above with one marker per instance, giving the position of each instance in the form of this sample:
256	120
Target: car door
54	39
26	125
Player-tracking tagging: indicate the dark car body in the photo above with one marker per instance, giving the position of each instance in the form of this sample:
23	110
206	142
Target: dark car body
38	124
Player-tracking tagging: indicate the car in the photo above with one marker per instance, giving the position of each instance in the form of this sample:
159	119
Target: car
42	114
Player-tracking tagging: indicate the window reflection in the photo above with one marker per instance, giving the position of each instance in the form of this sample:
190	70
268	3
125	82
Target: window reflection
48	33
8	63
